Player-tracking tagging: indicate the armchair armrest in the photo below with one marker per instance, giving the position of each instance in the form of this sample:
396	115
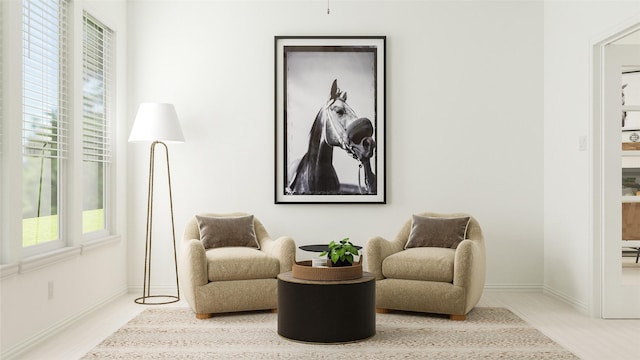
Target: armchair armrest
283	248
378	248
469	269
193	268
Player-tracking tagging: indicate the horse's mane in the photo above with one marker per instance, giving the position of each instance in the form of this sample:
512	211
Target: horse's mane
312	151
315	134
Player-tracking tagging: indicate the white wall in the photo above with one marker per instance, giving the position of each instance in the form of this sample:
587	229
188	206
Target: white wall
465	110
86	277
464	119
570	30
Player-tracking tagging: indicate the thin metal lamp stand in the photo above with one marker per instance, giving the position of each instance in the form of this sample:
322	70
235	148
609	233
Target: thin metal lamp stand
147	298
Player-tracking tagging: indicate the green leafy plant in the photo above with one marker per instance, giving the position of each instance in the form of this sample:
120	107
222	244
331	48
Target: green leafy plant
341	252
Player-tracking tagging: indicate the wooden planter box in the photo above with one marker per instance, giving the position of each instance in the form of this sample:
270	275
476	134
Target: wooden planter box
304	270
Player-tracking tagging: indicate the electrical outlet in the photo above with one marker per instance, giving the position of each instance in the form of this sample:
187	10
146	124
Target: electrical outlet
50	290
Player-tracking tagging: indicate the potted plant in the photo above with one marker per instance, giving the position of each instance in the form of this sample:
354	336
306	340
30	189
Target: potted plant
340	254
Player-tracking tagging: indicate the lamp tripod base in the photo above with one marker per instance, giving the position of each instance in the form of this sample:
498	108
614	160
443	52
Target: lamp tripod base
147	298
157	299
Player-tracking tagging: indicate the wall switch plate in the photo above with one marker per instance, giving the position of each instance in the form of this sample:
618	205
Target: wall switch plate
50	290
582	143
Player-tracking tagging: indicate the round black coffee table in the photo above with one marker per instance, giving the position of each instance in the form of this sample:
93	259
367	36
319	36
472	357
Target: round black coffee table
326	311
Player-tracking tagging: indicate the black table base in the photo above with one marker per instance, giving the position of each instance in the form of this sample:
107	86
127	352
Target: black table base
326	311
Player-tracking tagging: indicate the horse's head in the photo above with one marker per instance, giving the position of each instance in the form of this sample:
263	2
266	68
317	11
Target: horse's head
343	128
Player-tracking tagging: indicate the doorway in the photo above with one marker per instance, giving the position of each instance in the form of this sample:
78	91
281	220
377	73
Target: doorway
617	173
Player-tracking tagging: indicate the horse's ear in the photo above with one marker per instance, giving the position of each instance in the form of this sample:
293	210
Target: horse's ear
334	89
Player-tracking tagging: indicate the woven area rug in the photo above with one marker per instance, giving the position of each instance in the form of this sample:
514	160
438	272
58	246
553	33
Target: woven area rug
175	333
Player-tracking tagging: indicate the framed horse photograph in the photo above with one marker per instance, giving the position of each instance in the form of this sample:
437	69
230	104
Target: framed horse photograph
330	147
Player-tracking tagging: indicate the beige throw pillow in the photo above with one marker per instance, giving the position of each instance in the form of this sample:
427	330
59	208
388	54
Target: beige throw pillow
437	231
218	232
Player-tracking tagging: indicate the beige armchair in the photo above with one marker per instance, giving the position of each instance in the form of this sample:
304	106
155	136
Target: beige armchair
230	278
429	279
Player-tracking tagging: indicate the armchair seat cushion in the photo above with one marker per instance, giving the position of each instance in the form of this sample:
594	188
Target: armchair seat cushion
421	263
240	263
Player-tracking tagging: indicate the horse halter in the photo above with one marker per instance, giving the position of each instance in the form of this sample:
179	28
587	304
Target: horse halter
338	129
342	132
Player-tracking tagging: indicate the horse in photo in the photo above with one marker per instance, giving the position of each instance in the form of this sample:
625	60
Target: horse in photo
336	125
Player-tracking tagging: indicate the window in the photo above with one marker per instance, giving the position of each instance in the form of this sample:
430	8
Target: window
96	132
57	137
44	119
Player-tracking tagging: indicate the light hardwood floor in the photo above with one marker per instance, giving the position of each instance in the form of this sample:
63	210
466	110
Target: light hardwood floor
586	337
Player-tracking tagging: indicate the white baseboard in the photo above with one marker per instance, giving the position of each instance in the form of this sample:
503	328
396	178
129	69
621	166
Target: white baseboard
573	302
15	351
156	289
512	288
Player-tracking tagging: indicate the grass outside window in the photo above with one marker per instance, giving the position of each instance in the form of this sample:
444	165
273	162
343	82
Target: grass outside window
45	228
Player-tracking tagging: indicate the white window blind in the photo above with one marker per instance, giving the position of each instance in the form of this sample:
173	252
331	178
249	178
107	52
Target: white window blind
97	47
45	88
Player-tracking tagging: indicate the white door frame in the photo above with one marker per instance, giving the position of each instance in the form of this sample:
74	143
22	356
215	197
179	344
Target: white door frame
595	154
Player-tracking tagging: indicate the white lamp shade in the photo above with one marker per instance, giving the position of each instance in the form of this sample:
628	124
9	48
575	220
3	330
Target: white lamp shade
156	122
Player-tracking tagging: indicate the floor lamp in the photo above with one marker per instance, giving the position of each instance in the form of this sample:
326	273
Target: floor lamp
156	123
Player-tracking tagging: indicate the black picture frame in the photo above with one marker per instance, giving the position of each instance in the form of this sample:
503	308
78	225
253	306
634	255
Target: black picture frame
319	126
630	91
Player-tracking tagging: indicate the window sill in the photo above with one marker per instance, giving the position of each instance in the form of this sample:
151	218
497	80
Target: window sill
98	243
38	262
8	270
